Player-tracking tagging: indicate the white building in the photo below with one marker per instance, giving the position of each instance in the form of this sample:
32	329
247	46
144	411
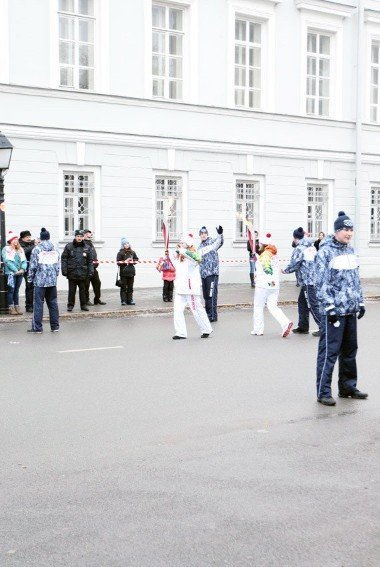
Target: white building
269	107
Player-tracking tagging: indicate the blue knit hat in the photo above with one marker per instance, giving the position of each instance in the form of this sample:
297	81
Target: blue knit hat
44	234
343	221
124	241
203	230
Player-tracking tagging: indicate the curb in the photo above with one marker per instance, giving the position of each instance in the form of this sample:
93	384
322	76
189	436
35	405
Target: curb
109	314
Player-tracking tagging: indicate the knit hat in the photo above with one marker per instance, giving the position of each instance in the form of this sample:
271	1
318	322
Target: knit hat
24	233
299	233
11	236
266	239
124	241
44	234
343	221
78	233
203	229
187	239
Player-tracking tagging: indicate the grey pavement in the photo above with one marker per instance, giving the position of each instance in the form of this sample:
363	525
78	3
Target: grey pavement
196	453
149	300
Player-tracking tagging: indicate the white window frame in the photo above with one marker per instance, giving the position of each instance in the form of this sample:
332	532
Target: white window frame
4	41
183	223
372	36
261	205
329	184
332	26
261	12
101	54
372	237
318	57
96	213
190	50
247	68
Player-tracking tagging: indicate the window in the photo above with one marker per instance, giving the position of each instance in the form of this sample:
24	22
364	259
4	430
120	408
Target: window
247	63
375	213
76	44
375	83
78	195
317	209
167	51
169	191
318	74
247	206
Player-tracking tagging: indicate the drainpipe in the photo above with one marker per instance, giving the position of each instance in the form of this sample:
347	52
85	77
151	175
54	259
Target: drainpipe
359	119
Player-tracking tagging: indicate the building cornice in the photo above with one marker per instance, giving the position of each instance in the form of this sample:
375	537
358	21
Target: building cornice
342	10
372	16
78	96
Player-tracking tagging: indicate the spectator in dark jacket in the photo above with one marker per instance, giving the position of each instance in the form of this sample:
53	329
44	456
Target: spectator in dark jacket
126	259
77	266
94	279
319	240
27	244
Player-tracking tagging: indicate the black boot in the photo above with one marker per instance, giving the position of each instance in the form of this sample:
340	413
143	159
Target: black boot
252	278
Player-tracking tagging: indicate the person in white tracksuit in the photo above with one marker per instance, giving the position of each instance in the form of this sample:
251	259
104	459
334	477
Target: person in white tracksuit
267	281
188	287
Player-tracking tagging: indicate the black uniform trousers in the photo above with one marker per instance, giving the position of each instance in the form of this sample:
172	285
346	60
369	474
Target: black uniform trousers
96	285
337	341
167	292
307	302
126	289
210	295
73	284
29	293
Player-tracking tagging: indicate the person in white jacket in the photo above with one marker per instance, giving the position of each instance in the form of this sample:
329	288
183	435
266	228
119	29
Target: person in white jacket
267	281
188	287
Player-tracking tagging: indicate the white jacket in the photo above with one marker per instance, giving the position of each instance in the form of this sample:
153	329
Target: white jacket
188	277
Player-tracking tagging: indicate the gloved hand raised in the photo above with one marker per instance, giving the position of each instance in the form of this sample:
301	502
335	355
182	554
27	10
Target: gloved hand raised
361	311
219	229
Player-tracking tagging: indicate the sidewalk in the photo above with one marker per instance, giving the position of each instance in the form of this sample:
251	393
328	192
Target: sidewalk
149	301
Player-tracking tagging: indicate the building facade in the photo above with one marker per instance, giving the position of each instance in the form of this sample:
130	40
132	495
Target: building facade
261	109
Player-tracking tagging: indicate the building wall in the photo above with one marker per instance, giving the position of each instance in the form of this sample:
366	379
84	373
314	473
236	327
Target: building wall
124	136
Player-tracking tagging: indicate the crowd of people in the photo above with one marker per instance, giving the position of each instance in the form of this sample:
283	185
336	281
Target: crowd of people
326	272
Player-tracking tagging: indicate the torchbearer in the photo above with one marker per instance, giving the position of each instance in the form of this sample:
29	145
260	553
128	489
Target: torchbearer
188	289
341	302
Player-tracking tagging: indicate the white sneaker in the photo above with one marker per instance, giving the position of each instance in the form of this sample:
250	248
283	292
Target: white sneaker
257	334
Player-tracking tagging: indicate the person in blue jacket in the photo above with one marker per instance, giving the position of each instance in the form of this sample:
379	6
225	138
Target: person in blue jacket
209	269
15	266
43	273
302	263
341	303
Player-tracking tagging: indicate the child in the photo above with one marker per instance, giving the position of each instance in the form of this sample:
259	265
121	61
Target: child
267	289
165	265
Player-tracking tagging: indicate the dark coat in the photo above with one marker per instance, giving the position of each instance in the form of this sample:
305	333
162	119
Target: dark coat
76	261
126	270
93	252
27	247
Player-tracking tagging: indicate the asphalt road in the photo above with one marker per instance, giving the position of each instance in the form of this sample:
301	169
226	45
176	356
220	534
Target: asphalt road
184	453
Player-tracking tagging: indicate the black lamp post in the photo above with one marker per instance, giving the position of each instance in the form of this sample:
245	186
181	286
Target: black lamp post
5	159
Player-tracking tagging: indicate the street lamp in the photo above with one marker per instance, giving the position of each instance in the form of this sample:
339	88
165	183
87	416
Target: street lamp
5	159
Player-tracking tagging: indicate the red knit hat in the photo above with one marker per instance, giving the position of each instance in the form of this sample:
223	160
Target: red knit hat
11	236
266	239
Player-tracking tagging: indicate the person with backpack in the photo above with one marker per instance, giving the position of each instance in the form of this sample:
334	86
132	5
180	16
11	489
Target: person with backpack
42	274
166	267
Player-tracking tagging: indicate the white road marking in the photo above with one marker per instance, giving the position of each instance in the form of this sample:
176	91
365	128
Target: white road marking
89	349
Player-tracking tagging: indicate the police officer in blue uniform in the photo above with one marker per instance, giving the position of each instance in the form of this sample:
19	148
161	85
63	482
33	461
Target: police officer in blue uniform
341	303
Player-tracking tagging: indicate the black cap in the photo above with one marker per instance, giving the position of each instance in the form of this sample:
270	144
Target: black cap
24	233
79	233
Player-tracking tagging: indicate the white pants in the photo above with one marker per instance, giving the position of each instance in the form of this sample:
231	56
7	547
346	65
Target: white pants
197	309
268	297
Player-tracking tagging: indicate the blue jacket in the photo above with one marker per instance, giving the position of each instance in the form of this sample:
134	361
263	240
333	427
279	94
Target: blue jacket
210	262
337	278
44	265
14	260
302	262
